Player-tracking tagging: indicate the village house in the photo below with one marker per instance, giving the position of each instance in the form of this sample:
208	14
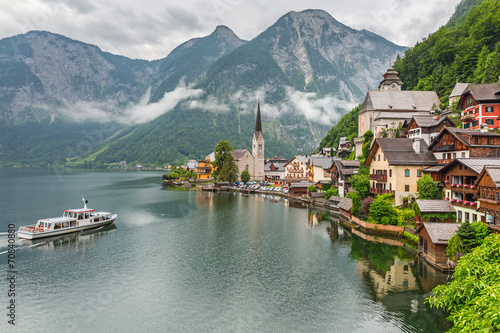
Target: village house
396	165
459	178
340	173
452	143
480	104
456	93
191	165
427	128
434	211
432	242
344	144
488	195
274	169
320	168
389	107
296	169
300	188
204	170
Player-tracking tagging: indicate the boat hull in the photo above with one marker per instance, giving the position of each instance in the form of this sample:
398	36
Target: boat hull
37	235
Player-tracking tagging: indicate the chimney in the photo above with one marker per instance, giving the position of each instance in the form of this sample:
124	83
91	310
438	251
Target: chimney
483	128
416	145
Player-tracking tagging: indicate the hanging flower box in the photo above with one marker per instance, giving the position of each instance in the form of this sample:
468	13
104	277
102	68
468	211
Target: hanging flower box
447	198
474	203
453	185
466	202
453	200
473	186
466	185
459	185
460	201
447	181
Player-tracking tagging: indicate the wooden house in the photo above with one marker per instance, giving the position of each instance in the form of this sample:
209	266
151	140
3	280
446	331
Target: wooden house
296	169
427	127
204	170
300	188
340	173
488	195
454	143
433	240
432	210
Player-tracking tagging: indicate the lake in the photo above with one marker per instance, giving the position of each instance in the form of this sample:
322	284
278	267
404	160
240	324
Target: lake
191	261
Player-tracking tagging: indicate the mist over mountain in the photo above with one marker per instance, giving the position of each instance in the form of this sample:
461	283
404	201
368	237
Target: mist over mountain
307	69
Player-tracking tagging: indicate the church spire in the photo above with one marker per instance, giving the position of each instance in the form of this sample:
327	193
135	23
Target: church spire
258	122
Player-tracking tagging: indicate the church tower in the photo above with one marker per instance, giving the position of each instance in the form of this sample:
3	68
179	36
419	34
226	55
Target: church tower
391	81
258	148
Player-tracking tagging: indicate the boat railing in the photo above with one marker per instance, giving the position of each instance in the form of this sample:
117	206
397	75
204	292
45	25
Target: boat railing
33	228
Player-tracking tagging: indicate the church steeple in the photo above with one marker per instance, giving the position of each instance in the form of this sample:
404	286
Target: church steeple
258	122
391	80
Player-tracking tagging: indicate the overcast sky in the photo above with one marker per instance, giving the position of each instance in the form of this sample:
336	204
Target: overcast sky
150	29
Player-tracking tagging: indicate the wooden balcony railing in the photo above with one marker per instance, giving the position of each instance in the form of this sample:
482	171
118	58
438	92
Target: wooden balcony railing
381	191
445	148
468	117
444	161
382	178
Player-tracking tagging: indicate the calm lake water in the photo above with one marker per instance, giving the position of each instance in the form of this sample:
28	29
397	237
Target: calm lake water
189	261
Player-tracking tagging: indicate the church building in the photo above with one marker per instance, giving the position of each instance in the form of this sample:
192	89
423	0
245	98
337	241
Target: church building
253	162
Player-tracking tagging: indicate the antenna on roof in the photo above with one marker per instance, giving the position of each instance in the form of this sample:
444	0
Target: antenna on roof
85	202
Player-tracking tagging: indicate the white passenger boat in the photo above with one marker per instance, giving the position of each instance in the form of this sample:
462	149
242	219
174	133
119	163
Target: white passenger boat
73	220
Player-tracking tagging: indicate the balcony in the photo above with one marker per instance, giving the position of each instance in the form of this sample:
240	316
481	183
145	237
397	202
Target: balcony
464	203
468	117
444	161
381	191
463	188
445	147
382	178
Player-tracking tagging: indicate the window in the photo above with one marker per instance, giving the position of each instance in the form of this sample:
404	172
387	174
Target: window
463	155
470	112
454	155
483	219
489	121
490	141
466	216
379	157
475	123
489	109
384	157
390	172
459	214
460	166
474	217
407	173
466	125
407	188
476	111
419	173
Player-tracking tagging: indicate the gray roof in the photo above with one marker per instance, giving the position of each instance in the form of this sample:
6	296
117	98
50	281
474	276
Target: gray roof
238	153
428	121
400	152
349	163
494	173
440	233
477	164
322	162
394	100
435	206
345	204
280	166
484	92
396	115
302	158
463	135
458	89
435	168
300	185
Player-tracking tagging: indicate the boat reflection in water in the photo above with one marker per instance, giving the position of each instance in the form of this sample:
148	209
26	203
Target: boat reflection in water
69	241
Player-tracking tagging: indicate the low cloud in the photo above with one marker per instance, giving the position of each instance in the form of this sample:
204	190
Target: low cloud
325	110
139	113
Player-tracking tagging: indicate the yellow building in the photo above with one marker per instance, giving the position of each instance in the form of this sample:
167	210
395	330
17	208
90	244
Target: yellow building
396	166
204	169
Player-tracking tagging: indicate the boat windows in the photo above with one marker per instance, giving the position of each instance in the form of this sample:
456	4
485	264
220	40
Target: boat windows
72	223
65	224
80	216
57	226
87	215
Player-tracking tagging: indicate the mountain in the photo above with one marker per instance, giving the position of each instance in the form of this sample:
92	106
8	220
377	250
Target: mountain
466	49
308	70
308	51
190	60
41	72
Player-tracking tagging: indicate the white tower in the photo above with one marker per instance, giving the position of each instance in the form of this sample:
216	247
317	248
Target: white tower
258	148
